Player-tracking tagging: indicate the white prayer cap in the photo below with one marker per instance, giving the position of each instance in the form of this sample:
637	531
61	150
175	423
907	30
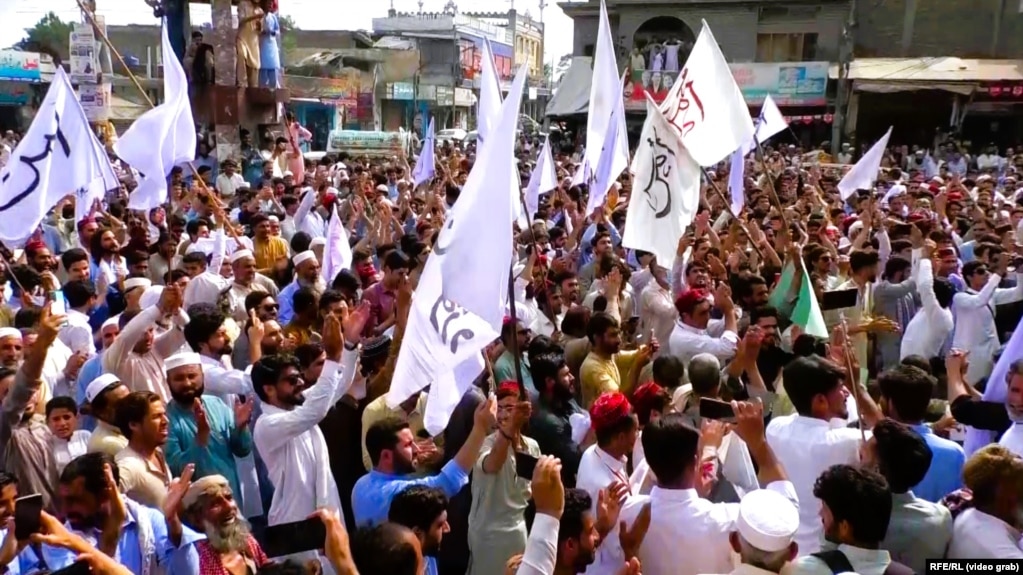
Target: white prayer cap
241	254
10	332
194	248
151	296
320	241
110	322
273	218
287	173
132	283
181	360
767	520
97	385
303	257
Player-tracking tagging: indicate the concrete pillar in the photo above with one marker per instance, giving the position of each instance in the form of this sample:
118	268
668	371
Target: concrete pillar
227	117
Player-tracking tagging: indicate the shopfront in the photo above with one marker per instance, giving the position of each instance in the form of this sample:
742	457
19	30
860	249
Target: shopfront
19	72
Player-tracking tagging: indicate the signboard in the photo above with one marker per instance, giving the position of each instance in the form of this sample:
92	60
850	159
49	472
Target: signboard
373	144
402	91
1007	91
463	97
470	51
19	66
427	92
83	49
15	94
445	96
789	84
95	99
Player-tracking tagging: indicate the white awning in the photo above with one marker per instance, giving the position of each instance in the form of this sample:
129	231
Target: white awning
572	96
935	69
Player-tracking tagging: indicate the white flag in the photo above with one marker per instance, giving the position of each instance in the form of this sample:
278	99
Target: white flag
605	95
769	124
337	254
426	165
58	156
863	175
614	155
542	180
706	106
457	308
488	110
162	137
665	193
96	190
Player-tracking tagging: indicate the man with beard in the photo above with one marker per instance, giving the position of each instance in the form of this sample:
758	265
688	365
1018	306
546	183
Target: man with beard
106	260
383	295
145	477
771	358
207	336
142	539
11	347
602	370
101	397
23	432
424	510
305	318
550	425
137	355
263	307
286	434
307	275
246	282
204	431
209	506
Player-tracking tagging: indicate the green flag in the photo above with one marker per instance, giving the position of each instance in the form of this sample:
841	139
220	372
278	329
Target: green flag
780	296
807	314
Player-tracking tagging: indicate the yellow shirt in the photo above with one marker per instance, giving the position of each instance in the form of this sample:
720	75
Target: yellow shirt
107	439
268	252
600	374
377	410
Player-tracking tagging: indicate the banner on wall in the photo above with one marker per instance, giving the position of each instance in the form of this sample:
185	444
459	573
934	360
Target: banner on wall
788	83
19	66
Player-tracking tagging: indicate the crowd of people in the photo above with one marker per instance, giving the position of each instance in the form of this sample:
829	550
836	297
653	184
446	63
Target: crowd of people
177	383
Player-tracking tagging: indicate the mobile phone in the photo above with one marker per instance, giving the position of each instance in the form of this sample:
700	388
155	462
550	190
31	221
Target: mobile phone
839	299
27	516
297	537
57	306
715	409
76	568
525	465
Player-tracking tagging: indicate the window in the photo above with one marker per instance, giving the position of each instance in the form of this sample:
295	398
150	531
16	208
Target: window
786	47
588	50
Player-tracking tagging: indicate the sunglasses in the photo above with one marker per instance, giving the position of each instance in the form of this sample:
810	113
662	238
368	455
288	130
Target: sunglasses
270	307
294	379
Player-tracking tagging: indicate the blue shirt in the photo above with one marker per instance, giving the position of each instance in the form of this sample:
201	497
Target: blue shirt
269	57
373	492
225	443
129	551
946	472
25	562
287	304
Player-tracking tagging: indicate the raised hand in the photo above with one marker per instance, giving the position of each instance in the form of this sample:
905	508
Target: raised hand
332	341
354	322
118	511
547	489
243	411
202	423
176	491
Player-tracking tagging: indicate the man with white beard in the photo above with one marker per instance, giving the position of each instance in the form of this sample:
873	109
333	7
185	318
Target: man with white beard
307	275
209	507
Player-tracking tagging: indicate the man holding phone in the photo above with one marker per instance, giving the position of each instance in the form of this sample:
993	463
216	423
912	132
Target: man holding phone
14	558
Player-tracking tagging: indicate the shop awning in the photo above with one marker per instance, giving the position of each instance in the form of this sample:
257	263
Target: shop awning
948	73
122	110
572	95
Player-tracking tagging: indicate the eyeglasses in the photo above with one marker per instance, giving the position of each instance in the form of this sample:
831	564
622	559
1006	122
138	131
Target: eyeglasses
271	307
294	379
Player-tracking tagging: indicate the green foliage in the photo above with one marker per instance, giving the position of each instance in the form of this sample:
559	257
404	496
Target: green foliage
50	36
288	40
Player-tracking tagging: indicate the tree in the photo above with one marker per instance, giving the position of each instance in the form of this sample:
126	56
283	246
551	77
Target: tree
288	40
50	36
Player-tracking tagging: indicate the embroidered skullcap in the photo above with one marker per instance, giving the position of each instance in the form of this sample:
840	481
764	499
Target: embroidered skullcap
132	283
767	520
181	360
609	409
98	385
208	485
241	254
303	257
374	347
508	388
690	299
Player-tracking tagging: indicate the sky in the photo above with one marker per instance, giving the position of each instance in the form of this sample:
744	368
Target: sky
17	15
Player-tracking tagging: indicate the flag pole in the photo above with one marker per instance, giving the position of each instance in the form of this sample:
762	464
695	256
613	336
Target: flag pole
770	182
532	239
724	199
516	354
134	80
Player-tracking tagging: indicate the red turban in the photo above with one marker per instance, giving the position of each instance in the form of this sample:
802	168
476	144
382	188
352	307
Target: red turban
609	409
507	389
34	246
689	300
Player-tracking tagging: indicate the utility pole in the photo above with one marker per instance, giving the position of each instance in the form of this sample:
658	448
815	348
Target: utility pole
845	57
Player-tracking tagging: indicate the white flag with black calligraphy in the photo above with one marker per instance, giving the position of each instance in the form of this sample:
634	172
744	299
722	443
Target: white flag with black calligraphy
706	106
665	190
458	308
59	155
